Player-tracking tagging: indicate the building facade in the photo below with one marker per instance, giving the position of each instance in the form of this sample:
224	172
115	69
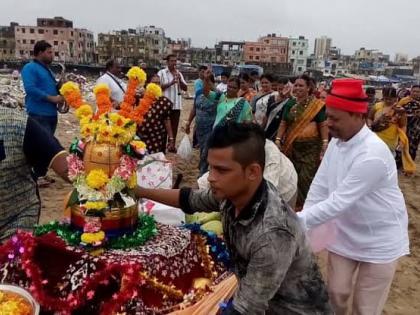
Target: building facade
125	46
201	56
70	45
268	49
179	48
298	54
369	62
155	40
229	53
322	47
7	42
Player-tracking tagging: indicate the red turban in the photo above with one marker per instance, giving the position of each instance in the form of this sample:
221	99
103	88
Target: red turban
347	95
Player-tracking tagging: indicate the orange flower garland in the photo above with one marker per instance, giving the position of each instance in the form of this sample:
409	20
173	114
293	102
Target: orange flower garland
136	76
71	92
152	93
103	101
129	98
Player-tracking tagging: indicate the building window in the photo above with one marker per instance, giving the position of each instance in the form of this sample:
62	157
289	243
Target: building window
62	43
56	53
18	41
41	31
55	43
301	52
32	41
251	48
21	52
257	49
24	41
31	31
299	69
55	32
71	33
23	30
257	57
294	43
293	52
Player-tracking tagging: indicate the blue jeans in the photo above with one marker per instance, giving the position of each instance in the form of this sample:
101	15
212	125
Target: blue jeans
49	123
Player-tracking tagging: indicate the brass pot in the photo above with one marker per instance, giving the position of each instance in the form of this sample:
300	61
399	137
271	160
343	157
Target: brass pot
102	156
114	219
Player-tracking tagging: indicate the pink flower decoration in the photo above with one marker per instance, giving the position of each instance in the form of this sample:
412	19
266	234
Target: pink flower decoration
90	295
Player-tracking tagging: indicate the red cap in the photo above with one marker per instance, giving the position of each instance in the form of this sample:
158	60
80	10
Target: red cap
347	95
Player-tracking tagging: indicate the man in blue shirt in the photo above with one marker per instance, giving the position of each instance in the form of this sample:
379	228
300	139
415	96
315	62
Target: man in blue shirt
40	85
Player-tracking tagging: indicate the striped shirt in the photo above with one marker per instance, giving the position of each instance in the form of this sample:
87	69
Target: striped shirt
174	91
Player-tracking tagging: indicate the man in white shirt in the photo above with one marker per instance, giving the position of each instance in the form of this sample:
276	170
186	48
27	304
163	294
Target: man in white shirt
116	85
222	86
355	192
172	83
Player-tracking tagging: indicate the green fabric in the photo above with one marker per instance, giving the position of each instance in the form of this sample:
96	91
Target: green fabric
225	105
290	117
19	204
306	158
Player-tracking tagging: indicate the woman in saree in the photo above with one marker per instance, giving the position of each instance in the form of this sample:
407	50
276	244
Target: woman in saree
275	108
204	112
156	129
303	134
259	103
389	122
246	91
230	107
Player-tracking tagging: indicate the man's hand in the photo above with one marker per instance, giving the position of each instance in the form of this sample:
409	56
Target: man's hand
57	99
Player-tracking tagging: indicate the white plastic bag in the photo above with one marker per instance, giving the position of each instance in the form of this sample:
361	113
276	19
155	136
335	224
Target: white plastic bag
185	148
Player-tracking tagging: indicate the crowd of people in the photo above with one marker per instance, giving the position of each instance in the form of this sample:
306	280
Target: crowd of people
283	157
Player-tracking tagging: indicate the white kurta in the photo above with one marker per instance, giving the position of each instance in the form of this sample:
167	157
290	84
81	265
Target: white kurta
356	187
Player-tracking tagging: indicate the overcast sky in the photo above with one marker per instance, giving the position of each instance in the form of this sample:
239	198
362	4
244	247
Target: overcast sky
388	25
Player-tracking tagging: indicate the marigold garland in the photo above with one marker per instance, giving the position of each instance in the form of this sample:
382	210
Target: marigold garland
71	93
137	73
97	178
136	76
84	111
152	93
103	101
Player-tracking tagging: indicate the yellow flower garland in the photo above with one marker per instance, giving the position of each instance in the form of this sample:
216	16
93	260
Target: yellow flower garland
97	178
90	238
136	73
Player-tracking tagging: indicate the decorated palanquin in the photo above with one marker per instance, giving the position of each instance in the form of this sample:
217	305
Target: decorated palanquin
172	271
106	258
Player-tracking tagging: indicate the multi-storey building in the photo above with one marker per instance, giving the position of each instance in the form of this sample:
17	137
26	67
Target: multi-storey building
126	46
201	56
229	52
155	40
73	45
322	47
268	49
7	42
298	54
179	48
